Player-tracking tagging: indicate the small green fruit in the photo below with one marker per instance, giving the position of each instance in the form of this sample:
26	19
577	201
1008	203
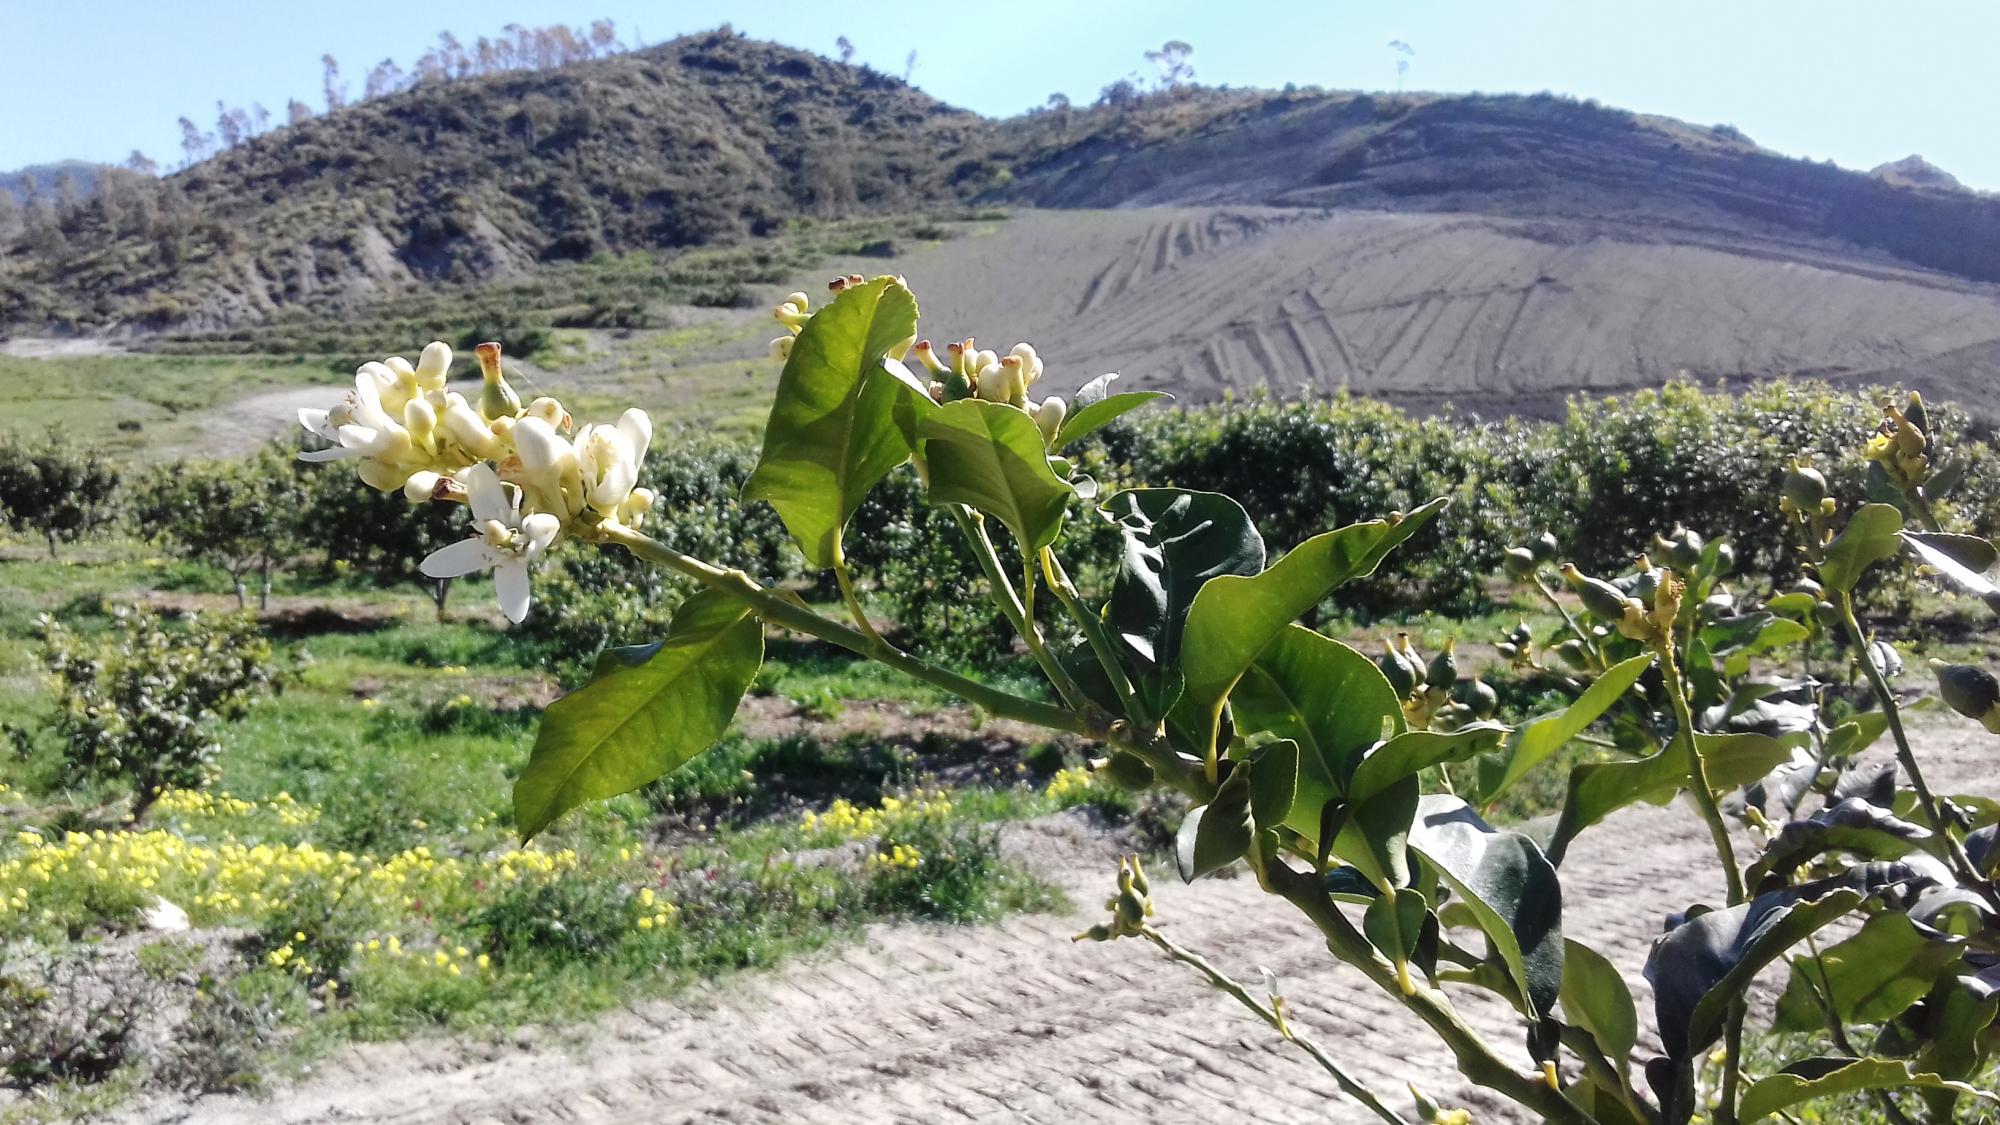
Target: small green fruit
1545	547
1519	563
1128	771
1970	691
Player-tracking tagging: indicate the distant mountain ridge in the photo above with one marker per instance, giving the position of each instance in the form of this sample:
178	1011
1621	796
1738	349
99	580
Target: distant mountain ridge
1526	216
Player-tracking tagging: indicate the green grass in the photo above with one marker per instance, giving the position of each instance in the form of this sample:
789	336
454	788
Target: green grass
131	404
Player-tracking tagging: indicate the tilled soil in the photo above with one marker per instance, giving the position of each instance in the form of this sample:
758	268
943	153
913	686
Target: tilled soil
1015	1022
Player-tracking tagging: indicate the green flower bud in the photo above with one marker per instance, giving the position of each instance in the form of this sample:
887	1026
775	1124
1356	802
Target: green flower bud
1519	563
1545	547
1600	599
1970	691
1443	669
1402	675
1804	487
1478	697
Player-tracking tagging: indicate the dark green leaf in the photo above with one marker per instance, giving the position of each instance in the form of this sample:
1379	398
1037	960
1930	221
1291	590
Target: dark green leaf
1700	966
1510	887
1092	412
1825	1077
1234	617
1962	559
1174	541
841	419
1597	789
646	711
1215	835
1394	921
1853	826
1326	697
1595	998
1871	977
1412	752
990	456
1869	537
1540	737
1274	783
1374	835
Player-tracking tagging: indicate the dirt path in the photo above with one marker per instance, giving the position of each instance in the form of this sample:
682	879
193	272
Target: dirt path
1015	1022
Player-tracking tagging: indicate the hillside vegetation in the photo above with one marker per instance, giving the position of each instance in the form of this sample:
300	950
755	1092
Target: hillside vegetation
715	138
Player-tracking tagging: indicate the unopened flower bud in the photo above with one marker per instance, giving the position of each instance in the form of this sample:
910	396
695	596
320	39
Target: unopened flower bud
550	411
928	356
421	486
781	348
434	365
1804	488
1600	599
1049	414
1970	691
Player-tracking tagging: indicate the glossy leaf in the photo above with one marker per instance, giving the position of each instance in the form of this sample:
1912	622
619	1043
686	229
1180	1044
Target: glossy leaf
844	415
1412	752
1853	826
1215	835
1234	618
1870	977
1870	536
1963	560
1174	542
1274	783
647	710
1394	921
1826	1077
1510	887
990	456
1095	407
1596	999
1330	699
1700	966
1542	736
1374	834
1598	789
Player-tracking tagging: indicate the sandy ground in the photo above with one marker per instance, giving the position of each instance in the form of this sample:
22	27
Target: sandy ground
1015	1022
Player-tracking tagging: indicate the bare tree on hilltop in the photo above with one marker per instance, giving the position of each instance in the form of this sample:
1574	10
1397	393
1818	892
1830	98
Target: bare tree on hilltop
1171	60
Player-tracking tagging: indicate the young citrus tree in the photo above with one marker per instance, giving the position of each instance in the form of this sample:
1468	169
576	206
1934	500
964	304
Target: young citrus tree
1297	755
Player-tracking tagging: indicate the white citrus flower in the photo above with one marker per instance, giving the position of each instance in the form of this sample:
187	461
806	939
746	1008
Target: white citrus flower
608	459
506	542
544	465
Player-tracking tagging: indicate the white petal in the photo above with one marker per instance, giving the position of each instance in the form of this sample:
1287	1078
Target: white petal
315	421
460	558
539	530
542	450
421	486
637	426
486	496
510	582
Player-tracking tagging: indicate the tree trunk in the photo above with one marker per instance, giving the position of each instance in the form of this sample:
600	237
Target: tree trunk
439	595
264	587
51	533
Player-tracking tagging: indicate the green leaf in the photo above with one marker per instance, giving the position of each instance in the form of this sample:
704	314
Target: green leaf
1871	977
1328	698
1702	965
1853	826
1540	737
1393	922
1595	998
842	417
1510	886
1234	618
647	710
1856	734
990	456
1274	782
1095	408
1375	834
1215	835
1869	537
1962	559
1174	542
1794	604
1598	789
1826	1077
1412	752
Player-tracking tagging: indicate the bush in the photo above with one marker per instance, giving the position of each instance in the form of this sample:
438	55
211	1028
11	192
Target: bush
239	515
72	1018
138	707
54	489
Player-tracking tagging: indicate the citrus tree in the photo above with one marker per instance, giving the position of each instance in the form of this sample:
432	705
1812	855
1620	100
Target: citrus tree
1312	763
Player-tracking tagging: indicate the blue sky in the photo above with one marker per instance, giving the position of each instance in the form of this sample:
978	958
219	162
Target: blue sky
1857	81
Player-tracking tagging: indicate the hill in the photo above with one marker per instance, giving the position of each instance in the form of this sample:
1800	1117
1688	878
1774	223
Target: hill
46	177
1496	252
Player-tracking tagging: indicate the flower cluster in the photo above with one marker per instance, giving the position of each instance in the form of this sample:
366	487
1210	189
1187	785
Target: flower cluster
965	371
526	479
901	857
1071	786
844	820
